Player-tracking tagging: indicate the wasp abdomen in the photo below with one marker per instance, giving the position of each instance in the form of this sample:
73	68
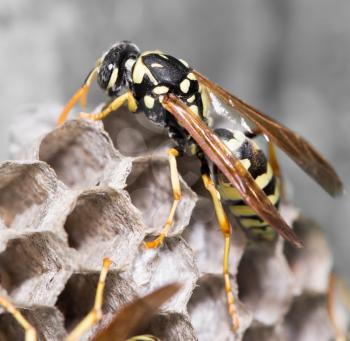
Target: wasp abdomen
255	161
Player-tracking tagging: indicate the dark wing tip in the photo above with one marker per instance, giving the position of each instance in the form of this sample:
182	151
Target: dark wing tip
337	190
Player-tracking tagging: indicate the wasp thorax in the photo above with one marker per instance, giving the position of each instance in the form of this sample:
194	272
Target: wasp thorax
114	71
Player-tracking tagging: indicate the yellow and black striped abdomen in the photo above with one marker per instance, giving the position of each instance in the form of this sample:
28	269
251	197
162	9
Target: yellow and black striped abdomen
255	161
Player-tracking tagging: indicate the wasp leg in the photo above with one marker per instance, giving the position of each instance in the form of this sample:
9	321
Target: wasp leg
96	312
175	183
30	332
113	106
225	228
81	95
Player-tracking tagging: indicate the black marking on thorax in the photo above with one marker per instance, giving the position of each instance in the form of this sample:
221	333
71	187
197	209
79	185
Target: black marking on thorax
154	75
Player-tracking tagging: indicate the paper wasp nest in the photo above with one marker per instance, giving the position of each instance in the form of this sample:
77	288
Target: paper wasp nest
79	193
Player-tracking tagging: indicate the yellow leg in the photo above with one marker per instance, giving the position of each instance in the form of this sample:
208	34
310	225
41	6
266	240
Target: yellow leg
113	106
96	313
175	183
226	230
30	332
81	95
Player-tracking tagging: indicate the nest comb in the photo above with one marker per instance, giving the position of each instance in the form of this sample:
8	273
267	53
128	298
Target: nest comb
89	190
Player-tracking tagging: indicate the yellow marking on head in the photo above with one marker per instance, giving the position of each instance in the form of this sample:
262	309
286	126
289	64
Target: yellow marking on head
263	180
113	78
149	101
194	108
191	99
183	62
185	85
162	89
140	69
163	55
129	63
191	76
156	65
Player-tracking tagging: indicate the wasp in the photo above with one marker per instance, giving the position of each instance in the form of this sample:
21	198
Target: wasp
234	170
130	319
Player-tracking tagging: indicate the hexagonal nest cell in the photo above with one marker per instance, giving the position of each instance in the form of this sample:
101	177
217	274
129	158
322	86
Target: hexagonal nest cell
80	152
25	190
77	298
77	199
35	266
102	224
149	186
49	319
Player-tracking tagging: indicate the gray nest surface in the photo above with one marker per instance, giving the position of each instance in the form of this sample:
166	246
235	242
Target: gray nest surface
89	190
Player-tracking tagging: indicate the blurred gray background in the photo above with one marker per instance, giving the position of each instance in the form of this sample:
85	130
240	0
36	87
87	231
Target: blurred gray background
289	58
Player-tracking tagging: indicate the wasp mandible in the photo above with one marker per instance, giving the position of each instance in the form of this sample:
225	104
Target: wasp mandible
234	170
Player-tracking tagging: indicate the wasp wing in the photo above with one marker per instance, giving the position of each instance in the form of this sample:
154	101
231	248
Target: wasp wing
230	166
135	316
301	151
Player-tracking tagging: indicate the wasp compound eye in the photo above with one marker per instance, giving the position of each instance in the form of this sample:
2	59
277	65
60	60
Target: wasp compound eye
112	73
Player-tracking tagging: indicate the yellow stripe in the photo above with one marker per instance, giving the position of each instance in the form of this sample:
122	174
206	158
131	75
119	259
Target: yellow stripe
246	163
205	102
140	69
143	338
159	90
269	234
228	192
113	78
251	222
156	65
242	210
264	179
274	197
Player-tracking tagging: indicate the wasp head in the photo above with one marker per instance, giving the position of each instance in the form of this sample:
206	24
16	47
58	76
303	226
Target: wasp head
115	67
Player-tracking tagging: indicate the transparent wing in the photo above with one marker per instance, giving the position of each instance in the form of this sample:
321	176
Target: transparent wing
230	166
135	316
301	151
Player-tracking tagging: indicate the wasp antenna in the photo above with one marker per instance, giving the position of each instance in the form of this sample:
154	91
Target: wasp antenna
81	94
88	81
